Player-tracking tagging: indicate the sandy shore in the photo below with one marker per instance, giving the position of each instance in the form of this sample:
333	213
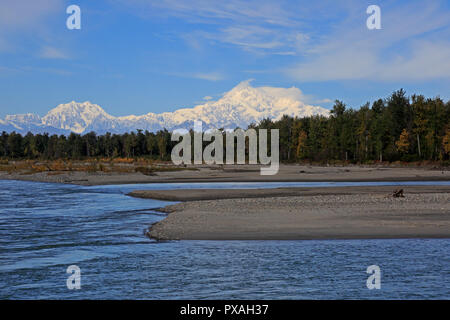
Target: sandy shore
216	194
302	213
286	213
241	173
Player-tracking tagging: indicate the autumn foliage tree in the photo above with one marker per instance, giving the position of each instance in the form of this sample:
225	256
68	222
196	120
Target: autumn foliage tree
403	142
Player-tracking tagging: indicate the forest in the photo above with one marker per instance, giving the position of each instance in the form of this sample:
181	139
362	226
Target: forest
397	128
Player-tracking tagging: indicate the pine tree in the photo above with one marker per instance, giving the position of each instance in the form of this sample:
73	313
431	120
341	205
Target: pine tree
446	142
302	145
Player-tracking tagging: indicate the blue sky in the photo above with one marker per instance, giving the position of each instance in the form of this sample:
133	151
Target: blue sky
138	56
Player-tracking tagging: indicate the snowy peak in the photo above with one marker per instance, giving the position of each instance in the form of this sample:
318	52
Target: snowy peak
26	118
75	108
76	117
238	107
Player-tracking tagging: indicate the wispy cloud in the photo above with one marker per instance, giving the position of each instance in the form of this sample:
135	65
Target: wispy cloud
250	37
207	11
54	71
7	70
412	45
209	76
262	26
23	16
212	76
33	69
52	53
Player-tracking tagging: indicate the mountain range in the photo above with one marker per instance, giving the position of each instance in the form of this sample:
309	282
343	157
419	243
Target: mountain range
238	107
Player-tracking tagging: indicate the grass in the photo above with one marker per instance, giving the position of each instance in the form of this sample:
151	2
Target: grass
151	167
118	165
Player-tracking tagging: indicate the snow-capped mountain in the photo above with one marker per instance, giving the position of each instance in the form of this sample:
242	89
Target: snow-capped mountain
77	117
238	107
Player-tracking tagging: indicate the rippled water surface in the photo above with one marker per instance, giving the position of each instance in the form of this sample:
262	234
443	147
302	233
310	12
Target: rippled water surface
44	228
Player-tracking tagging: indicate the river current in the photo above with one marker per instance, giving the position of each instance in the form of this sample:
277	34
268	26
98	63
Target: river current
45	228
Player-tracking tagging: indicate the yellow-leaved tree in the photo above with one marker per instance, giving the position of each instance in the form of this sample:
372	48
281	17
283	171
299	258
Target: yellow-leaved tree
301	145
402	143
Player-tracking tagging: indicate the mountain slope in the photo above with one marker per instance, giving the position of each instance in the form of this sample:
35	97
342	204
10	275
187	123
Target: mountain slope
238	107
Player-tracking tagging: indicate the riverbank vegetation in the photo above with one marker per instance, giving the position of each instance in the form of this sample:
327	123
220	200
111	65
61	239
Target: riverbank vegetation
118	165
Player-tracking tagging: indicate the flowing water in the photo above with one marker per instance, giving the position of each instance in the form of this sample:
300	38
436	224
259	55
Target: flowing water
44	228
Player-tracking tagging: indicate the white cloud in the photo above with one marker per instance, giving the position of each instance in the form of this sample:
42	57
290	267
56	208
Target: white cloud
428	61
52	53
212	76
55	71
209	76
261	26
412	46
23	14
250	36
207	11
288	93
21	17
7	70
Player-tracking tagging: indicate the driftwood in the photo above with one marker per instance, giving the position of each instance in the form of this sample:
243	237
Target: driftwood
398	193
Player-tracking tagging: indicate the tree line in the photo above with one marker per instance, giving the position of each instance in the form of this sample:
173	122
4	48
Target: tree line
398	128
90	145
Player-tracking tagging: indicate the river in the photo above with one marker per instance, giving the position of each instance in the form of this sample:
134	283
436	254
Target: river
44	228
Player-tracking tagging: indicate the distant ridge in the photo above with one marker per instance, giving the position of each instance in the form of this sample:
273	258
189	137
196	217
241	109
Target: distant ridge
238	107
